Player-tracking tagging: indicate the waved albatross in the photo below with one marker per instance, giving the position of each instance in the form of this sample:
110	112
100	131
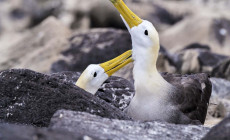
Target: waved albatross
95	74
172	98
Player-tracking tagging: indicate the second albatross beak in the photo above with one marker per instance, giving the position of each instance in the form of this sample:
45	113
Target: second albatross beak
130	18
117	63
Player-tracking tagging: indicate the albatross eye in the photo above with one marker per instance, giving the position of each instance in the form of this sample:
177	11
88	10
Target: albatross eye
146	32
95	74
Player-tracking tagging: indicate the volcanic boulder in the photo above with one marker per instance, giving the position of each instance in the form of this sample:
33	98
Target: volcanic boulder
222	70
32	98
221	131
20	132
93	47
102	128
196	58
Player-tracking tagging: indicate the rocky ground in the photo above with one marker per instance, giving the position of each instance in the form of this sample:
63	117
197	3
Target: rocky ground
45	45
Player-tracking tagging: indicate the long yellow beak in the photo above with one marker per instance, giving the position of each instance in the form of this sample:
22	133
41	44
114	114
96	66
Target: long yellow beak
117	63
131	18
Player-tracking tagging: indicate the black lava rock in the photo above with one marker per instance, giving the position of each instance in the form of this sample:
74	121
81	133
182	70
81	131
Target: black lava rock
208	58
93	47
100	19
20	132
196	58
32	98
197	46
219	132
222	70
165	16
67	76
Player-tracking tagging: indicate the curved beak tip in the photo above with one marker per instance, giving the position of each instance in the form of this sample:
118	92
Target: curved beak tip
130	18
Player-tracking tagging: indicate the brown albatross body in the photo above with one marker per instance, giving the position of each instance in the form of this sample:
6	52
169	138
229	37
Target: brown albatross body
192	94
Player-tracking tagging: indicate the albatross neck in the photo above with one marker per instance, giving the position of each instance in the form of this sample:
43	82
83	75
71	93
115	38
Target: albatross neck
145	59
146	75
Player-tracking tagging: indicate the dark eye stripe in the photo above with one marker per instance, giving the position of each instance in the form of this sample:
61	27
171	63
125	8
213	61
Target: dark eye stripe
95	74
146	32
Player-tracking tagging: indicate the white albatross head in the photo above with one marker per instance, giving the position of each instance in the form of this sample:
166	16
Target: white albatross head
95	74
145	38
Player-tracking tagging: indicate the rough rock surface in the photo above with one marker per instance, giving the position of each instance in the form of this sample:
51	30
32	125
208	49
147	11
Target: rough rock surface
219	106
220	97
196	58
220	131
115	90
67	76
93	47
102	128
32	98
220	88
20	132
222	70
21	14
38	49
